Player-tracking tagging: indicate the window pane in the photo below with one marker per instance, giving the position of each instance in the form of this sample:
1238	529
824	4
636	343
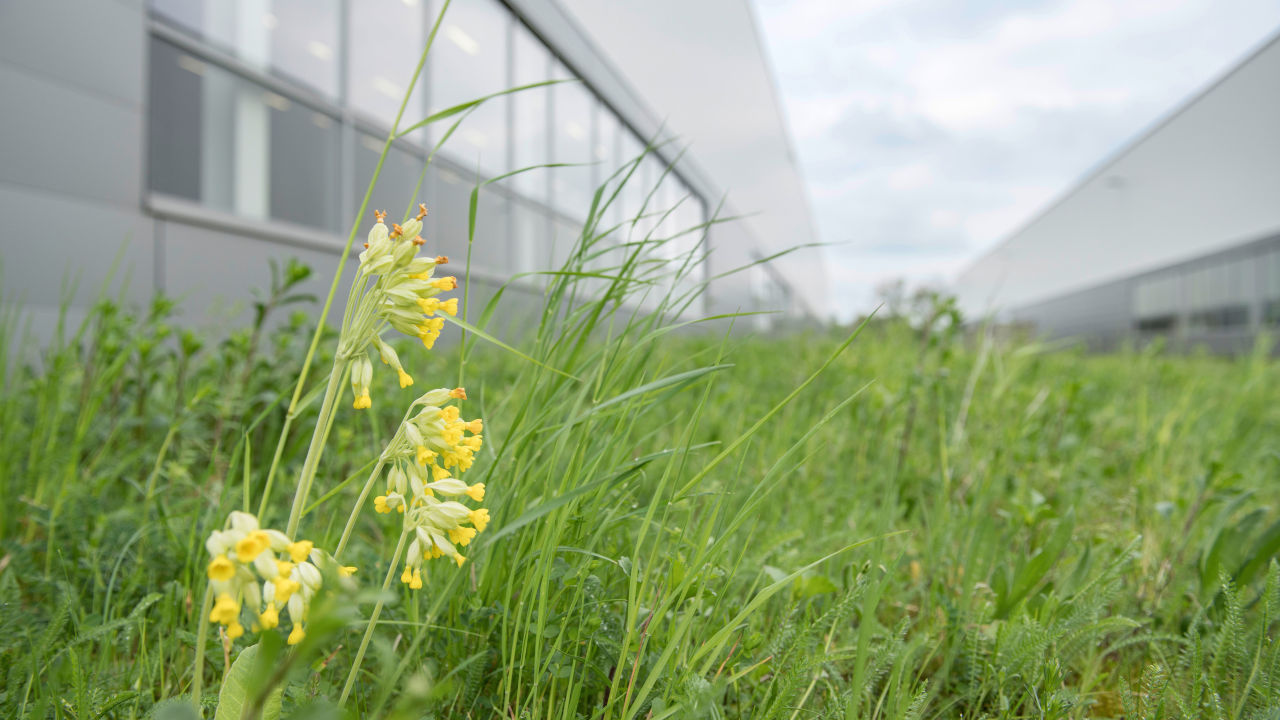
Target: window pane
447	233
530	145
469	60
571	143
605	157
451	194
633	191
234	146
1271	274
379	71
399	176
530	249
296	39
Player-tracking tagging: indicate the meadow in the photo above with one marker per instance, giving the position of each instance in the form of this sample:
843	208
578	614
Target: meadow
910	519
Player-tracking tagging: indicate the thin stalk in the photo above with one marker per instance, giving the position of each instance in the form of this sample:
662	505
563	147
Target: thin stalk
317	445
373	619
355	511
202	635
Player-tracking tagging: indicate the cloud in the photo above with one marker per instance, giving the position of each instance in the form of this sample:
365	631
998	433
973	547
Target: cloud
929	130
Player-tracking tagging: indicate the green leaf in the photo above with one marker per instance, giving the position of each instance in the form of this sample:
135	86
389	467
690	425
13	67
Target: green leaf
486	336
237	686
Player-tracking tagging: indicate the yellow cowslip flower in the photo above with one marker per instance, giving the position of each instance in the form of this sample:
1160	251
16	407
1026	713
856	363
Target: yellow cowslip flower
252	545
300	550
285	588
245	555
424	455
461	535
476	492
347	570
297	634
269	618
361	376
479	518
389	357
430	306
458	393
225	610
221	568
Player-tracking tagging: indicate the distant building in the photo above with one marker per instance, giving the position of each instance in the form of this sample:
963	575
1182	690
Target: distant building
197	138
1177	235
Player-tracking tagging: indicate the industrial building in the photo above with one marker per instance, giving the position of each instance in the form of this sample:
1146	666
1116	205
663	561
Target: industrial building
191	140
1176	236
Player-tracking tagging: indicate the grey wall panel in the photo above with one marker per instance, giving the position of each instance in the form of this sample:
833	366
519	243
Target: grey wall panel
731	249
68	142
215	274
46	238
93	46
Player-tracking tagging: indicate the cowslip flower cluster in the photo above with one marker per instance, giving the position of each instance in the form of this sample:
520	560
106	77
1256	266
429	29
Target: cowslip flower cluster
427	453
265	572
404	295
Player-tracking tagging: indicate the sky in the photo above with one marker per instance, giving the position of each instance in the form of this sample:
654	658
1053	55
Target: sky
928	131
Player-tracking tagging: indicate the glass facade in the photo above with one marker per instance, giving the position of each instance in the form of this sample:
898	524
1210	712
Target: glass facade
238	147
254	104
1210	296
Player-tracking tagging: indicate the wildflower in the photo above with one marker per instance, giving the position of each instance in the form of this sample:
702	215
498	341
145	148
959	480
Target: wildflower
262	570
221	568
361	376
225	610
269	618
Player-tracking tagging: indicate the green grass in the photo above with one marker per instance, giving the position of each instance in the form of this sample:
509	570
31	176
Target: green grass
902	521
936	525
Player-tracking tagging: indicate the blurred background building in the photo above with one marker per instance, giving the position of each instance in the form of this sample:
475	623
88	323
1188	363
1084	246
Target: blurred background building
1176	235
187	141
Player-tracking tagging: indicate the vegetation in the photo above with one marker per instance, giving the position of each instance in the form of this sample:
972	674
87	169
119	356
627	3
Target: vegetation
691	526
899	520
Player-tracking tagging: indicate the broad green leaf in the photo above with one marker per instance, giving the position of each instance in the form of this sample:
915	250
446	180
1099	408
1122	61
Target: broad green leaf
244	677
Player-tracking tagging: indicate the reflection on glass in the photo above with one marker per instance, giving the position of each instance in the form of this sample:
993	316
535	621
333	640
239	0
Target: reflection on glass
469	60
571	142
238	147
296	39
529	141
378	72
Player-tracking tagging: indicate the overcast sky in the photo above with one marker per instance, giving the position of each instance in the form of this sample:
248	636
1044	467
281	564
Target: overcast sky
928	130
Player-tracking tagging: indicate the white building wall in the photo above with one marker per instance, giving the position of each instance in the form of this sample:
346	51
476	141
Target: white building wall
1206	178
703	66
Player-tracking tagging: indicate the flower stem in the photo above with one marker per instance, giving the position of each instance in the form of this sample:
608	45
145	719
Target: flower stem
317	445
202	635
355	511
373	619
